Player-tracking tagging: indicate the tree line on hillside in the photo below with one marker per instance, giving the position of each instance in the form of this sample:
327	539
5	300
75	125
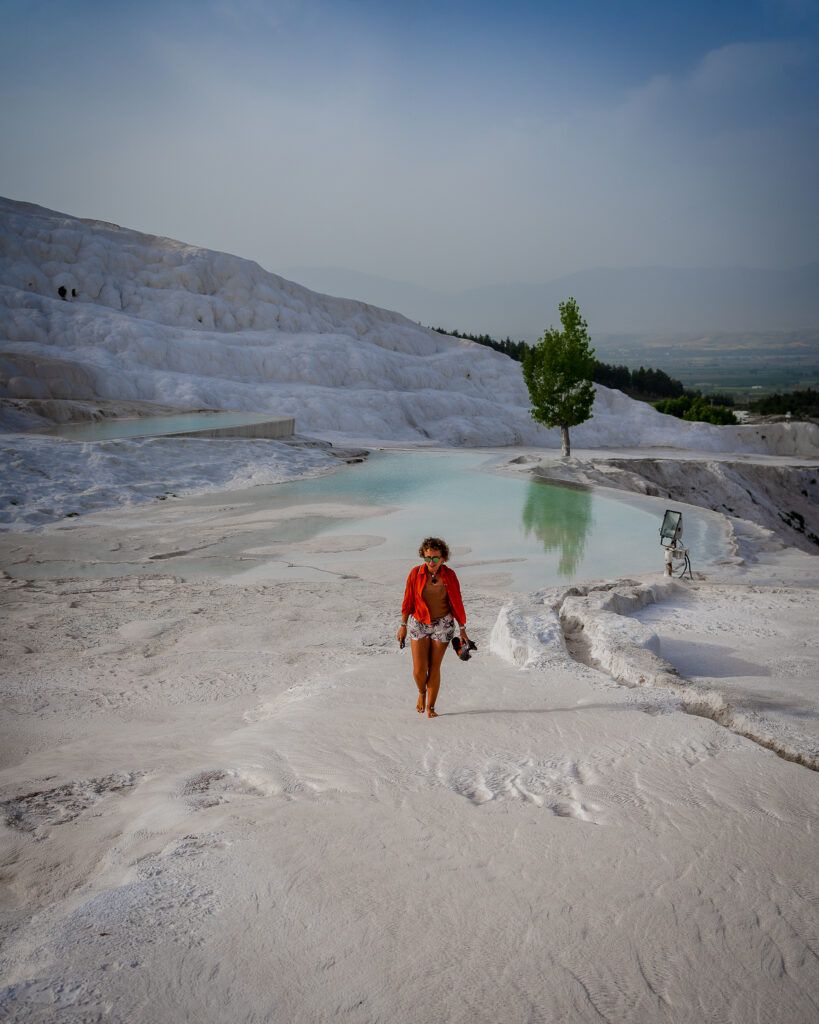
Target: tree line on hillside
646	383
696	409
561	368
514	349
798	403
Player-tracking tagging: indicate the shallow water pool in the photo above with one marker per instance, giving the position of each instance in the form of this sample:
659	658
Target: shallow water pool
534	533
506	531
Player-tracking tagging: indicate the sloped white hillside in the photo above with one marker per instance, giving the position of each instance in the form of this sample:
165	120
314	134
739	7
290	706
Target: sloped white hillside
134	316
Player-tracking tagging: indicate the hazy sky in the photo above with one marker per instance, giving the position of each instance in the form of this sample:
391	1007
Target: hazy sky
445	144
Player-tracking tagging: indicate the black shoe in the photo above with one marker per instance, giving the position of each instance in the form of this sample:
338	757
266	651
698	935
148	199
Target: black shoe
463	650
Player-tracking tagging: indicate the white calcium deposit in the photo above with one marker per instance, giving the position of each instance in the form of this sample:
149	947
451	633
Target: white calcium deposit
44	480
150	318
217	800
220	804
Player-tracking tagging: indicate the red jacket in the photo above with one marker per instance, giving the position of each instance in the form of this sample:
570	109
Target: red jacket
414	603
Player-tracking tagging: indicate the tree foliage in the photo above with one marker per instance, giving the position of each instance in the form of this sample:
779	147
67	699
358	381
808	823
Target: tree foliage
558	372
717	398
645	383
798	403
514	349
695	408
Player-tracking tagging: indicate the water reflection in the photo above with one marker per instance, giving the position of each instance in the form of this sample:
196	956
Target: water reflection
561	518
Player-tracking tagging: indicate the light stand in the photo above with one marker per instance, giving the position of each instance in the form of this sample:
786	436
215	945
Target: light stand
671	532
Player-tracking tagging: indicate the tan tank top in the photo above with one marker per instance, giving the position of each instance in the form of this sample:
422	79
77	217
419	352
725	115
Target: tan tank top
435	598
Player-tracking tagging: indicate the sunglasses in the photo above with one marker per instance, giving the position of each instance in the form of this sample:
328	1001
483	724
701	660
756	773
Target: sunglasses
433	558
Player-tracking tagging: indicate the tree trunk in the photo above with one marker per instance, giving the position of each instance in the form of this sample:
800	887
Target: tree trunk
564	437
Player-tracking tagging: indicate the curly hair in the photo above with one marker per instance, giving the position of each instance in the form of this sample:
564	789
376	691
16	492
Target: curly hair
434	544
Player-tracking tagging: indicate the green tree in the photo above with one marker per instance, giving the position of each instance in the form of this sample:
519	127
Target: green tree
696	409
797	403
558	372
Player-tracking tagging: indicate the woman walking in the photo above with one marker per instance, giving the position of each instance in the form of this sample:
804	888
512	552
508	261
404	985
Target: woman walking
432	605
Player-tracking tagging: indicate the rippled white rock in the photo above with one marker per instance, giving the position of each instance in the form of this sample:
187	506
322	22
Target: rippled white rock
153	319
45	479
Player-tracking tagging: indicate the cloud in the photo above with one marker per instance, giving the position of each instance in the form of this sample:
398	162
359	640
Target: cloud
747	66
291	146
735	84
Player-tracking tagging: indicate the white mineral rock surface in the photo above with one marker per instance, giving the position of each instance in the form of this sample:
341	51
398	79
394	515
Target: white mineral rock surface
44	480
218	801
154	319
148	319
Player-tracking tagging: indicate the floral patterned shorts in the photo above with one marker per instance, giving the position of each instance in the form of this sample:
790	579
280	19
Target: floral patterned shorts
442	629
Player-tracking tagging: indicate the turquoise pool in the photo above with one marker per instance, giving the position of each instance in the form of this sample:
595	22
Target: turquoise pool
507	531
537	534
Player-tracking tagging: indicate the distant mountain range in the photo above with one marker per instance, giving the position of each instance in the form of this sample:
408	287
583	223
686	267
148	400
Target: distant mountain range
631	301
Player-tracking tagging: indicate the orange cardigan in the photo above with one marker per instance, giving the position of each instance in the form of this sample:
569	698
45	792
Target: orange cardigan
414	603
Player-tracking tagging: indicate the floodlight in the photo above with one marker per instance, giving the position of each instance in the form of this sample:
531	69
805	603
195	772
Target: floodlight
671	530
671	539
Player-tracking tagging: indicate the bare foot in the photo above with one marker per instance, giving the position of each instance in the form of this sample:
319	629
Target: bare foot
419	707
432	713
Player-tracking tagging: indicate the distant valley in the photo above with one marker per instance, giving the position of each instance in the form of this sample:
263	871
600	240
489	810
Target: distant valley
736	363
630	301
722	329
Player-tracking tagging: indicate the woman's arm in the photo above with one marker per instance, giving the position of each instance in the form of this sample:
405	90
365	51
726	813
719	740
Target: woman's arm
407	607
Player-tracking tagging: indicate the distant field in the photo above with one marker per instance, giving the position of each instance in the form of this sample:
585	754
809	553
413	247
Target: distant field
739	365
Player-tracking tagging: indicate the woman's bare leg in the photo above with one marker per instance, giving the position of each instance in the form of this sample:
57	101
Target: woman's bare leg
420	669
436	656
